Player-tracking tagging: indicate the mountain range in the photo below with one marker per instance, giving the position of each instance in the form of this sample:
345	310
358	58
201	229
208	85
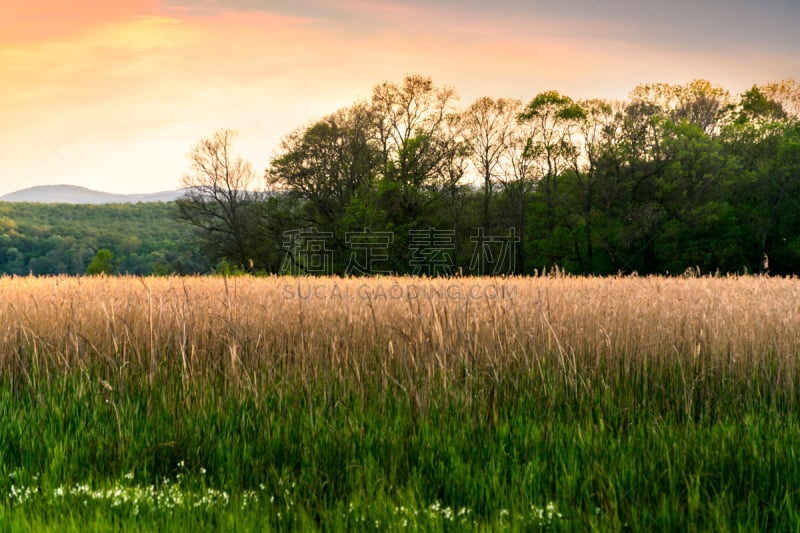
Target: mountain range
73	194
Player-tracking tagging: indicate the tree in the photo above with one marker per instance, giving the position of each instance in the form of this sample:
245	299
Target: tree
764	140
518	176
596	135
555	118
787	94
417	135
222	201
488	126
102	263
328	162
450	205
410	124
327	169
699	226
757	107
698	102
630	159
15	261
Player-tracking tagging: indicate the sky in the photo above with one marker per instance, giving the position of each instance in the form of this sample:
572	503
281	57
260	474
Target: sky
112	95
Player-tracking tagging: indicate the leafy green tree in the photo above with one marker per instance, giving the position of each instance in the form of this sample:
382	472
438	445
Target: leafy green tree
756	107
627	162
555	118
327	163
764	141
102	263
700	228
595	136
325	170
15	262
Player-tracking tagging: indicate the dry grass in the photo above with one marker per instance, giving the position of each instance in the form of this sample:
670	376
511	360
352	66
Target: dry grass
662	403
407	330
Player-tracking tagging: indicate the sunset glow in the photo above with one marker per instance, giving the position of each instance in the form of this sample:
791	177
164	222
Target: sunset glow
112	95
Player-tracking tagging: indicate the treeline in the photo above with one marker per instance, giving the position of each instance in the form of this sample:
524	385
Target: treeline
676	177
141	239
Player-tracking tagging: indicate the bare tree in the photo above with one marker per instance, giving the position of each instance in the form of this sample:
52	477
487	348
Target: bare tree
221	199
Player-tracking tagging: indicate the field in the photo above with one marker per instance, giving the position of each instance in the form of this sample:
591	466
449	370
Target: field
556	402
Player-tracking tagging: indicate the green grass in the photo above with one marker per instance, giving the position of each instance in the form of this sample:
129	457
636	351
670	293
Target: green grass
616	446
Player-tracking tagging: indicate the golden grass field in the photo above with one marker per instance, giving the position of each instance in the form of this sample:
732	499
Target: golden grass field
403	328
554	401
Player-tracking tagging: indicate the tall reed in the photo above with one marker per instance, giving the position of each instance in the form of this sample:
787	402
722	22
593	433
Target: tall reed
409	334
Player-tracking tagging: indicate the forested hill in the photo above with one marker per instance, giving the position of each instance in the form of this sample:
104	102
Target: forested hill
144	238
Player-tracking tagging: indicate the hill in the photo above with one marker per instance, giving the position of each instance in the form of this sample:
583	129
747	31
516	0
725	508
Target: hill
72	194
145	238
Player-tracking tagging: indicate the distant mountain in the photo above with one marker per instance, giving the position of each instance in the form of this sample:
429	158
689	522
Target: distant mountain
72	194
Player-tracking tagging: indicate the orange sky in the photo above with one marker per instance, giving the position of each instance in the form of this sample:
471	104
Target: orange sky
112	95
